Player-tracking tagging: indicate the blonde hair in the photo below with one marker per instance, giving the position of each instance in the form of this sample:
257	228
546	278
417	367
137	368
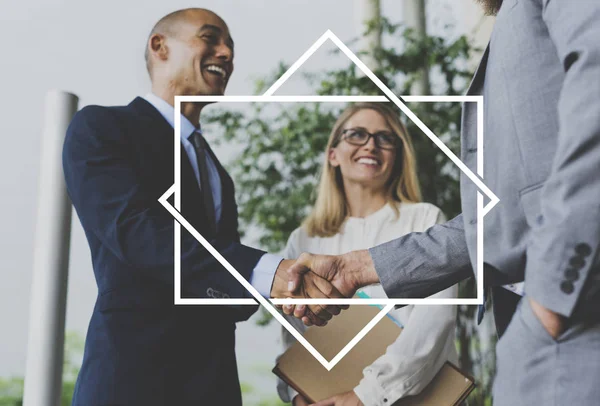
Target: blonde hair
331	209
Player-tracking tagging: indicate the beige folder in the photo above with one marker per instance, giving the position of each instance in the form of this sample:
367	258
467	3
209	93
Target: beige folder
304	373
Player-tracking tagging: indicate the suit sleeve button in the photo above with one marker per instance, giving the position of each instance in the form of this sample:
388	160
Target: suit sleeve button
577	262
567	287
571	274
583	249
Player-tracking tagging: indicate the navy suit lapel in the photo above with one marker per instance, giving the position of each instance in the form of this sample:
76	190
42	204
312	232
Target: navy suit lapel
154	126
477	83
152	122
151	137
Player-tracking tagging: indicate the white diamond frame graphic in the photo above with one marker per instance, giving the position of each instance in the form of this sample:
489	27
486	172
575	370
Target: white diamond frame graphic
268	97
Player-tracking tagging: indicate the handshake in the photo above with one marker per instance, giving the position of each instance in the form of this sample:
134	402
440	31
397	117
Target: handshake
322	277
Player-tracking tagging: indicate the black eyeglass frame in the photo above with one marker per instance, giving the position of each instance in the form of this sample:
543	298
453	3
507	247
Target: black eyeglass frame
376	136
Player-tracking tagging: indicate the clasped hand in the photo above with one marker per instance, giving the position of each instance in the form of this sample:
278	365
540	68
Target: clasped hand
322	276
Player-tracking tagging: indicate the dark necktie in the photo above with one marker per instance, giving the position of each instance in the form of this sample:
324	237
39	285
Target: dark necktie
209	206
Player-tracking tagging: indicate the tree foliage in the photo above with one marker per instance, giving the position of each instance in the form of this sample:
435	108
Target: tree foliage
11	389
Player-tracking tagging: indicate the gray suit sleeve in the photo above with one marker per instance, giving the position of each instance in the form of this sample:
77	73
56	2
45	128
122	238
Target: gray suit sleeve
418	265
565	241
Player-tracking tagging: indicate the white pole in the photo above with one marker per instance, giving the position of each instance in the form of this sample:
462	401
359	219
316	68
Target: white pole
366	12
415	18
43	374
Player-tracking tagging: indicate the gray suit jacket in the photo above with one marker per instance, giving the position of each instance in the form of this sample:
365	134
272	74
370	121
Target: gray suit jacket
540	78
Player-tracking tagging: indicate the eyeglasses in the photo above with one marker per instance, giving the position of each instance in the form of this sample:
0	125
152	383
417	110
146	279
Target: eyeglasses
360	136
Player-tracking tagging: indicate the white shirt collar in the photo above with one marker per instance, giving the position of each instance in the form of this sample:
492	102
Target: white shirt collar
168	112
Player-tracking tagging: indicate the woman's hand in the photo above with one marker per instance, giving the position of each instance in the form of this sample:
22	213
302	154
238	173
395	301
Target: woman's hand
343	399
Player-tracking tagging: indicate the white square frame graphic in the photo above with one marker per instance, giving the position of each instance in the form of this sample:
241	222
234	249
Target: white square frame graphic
181	221
269	98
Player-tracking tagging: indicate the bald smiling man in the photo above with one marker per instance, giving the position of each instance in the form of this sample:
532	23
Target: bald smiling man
140	348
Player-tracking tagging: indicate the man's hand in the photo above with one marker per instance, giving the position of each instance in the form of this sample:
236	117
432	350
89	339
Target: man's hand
344	399
347	272
554	323
312	286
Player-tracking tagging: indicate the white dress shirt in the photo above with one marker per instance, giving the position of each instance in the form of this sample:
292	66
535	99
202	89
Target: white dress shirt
264	271
427	340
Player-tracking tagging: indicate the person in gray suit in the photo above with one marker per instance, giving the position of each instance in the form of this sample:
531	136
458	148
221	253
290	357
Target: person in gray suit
540	78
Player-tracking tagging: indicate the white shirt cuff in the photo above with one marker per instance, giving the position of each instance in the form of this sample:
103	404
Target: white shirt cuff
264	272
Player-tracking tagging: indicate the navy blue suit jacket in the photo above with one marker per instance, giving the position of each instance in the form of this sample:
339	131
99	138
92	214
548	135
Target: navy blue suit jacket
140	348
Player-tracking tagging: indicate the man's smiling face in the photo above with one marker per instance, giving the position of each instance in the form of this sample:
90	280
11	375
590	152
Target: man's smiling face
200	55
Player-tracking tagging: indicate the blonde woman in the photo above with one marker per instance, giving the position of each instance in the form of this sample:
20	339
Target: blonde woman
368	195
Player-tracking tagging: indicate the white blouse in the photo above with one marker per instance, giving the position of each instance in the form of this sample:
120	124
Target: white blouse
426	342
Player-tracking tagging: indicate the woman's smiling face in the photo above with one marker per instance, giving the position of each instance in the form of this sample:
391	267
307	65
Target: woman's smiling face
369	164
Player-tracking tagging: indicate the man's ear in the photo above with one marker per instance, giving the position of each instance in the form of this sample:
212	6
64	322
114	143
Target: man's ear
333	158
158	46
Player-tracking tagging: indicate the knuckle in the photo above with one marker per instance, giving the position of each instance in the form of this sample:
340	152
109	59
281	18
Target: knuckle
334	310
325	315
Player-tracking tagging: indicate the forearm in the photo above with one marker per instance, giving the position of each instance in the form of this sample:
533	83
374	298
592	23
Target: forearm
563	245
148	249
418	265
145	242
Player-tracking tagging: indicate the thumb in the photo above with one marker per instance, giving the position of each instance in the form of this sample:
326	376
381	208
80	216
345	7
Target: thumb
295	272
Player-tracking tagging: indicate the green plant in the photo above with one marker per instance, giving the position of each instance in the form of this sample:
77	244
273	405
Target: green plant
11	389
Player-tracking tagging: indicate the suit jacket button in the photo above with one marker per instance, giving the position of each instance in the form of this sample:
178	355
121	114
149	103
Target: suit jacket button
583	249
567	287
577	262
571	274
